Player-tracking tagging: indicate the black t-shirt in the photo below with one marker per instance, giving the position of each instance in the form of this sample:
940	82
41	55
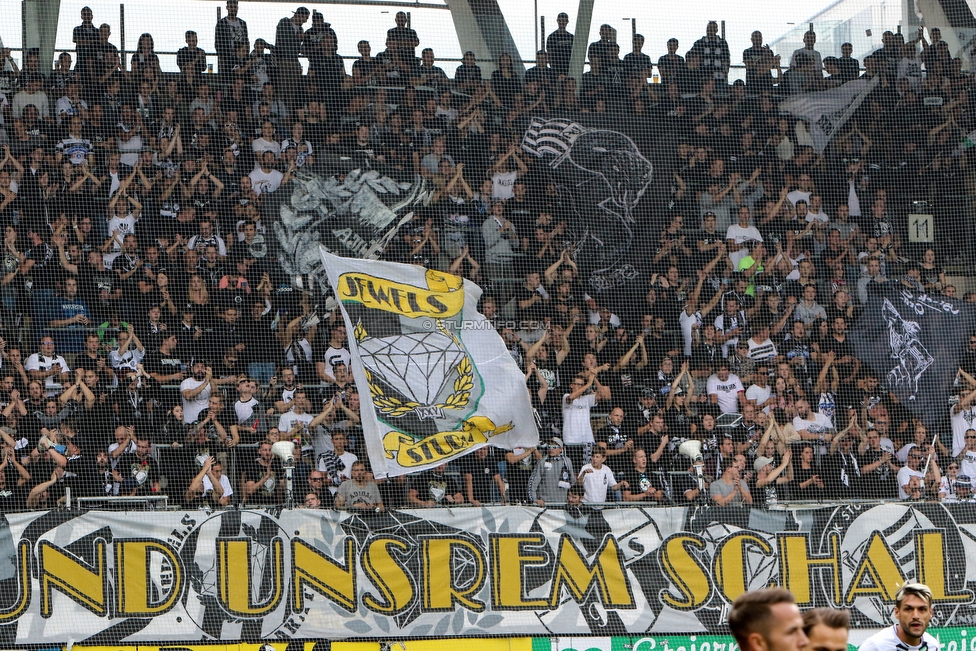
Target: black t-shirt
615	438
267	493
482	473
880	483
85	478
434	486
162	363
638	481
88	363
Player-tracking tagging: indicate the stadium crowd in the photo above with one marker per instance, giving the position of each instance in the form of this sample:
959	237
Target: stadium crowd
152	346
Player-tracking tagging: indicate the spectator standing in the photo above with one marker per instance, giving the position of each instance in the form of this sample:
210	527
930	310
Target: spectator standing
85	38
337	463
809	40
435	488
961	415
70	318
481	478
597	479
552	476
715	56
289	41
229	34
577	429
559	46
48	367
725	390
196	390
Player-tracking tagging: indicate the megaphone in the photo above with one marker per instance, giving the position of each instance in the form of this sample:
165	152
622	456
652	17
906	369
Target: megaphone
284	450
690	448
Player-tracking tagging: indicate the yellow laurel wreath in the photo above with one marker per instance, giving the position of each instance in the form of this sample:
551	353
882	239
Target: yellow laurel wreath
396	408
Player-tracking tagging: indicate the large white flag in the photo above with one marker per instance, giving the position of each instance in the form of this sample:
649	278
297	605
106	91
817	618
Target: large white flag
436	381
827	111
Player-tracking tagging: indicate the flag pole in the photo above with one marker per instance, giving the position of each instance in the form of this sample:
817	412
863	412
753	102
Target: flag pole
928	459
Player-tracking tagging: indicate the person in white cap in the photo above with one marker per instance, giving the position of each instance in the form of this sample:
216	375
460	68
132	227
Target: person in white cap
769	477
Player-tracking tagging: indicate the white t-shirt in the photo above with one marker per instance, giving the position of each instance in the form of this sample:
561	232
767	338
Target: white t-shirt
727	392
131	357
289	419
796	195
816	423
904	476
967	465
596	483
224	483
759	395
576	420
193	407
821	217
764	350
887	640
124	225
503	185
961	422
266	181
688	328
334	356
38	362
742	235
244	410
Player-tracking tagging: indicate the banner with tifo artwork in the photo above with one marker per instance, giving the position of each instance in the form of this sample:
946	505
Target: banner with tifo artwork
826	111
911	341
599	177
436	380
113	578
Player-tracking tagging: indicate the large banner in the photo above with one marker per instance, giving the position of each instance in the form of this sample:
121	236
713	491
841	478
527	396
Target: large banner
441	381
113	578
827	111
600	177
914	343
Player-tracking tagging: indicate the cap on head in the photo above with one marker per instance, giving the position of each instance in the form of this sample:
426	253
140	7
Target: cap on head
761	462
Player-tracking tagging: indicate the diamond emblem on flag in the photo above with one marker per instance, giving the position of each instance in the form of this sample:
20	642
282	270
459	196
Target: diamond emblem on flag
418	365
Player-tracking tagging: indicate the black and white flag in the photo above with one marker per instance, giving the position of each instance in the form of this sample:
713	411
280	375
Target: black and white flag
913	342
827	111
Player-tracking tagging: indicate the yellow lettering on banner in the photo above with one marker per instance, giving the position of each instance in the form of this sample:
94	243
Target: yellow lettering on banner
443	297
878	574
66	573
440	590
730	562
438	448
930	559
19	607
133	565
607	571
388	576
685	571
234	585
508	561
796	565
311	568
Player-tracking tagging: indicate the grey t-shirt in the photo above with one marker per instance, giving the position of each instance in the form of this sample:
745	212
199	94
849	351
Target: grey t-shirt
368	493
722	489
